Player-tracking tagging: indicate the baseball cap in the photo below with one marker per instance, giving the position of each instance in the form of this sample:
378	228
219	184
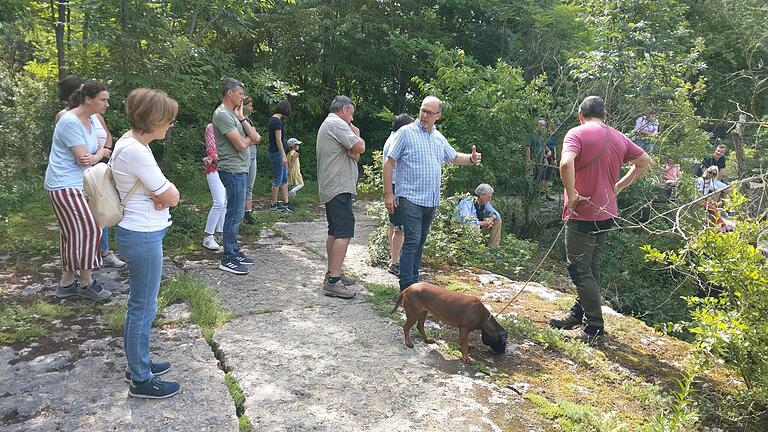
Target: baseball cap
293	142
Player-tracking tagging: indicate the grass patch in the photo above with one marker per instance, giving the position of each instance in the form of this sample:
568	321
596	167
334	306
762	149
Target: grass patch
205	309
524	328
460	287
383	299
19	322
573	417
239	399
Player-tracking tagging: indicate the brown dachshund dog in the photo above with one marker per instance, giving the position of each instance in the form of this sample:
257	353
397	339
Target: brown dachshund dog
459	310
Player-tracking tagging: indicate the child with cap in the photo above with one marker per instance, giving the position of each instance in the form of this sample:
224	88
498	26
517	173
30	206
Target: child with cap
294	168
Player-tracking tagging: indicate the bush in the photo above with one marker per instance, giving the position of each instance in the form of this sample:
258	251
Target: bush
452	243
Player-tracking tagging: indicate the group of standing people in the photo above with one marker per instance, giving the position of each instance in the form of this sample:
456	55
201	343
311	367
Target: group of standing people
81	140
230	167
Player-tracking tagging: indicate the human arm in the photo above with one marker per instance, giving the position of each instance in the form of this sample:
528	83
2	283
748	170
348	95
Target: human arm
468	158
568	177
638	169
166	199
467	213
389	194
248	128
279	142
359	147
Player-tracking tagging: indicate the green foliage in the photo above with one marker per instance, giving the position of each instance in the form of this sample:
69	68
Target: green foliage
372	183
492	108
573	417
383	298
453	243
205	310
730	324
20	321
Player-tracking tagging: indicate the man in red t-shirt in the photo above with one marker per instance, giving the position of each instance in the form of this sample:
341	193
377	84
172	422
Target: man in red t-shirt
592	156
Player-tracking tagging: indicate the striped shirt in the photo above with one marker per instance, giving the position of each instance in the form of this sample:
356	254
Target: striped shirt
419	156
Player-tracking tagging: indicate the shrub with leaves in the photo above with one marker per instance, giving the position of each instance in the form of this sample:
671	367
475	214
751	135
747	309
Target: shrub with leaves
730	323
453	243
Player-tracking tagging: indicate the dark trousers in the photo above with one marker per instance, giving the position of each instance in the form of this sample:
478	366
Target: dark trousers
416	221
584	245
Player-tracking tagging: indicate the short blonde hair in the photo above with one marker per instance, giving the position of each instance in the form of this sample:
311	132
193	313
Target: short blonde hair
147	109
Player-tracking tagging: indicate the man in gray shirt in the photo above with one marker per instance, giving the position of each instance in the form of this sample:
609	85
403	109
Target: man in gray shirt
339	147
233	137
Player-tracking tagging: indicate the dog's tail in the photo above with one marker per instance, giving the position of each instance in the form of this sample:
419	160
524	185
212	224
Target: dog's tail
399	301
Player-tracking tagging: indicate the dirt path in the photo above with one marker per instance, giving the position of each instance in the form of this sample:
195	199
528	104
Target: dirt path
303	360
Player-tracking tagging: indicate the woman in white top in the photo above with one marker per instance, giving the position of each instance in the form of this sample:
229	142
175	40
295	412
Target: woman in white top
67	86
139	235
74	148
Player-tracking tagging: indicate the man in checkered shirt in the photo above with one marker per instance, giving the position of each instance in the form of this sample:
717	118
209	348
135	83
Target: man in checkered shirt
419	151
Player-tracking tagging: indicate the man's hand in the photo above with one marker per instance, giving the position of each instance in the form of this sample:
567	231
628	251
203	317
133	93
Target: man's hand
353	155
284	160
573	201
239	112
389	202
355	129
475	157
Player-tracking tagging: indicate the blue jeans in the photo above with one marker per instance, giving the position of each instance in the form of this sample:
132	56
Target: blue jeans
235	184
416	222
280	170
143	252
104	239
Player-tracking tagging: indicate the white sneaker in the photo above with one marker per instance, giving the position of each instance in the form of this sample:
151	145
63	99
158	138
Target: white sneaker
210	244
111	260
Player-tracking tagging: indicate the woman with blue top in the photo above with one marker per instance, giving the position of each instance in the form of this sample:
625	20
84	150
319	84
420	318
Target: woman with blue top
67	86
139	235
74	148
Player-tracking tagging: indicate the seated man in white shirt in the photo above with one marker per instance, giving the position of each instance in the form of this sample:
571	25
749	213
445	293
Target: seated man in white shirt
476	210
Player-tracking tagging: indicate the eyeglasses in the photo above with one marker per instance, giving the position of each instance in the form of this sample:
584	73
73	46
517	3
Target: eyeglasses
429	113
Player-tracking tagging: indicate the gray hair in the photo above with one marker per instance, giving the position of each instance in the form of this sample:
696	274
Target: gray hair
230	84
340	102
483	188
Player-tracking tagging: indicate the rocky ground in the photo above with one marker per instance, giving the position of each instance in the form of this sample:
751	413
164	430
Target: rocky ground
304	361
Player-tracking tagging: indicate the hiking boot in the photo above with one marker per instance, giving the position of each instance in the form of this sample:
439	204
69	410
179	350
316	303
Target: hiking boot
68	290
244	260
394	268
594	340
211	244
153	388
94	291
248	218
346	280
565	322
111	260
233	266
156	368
337	290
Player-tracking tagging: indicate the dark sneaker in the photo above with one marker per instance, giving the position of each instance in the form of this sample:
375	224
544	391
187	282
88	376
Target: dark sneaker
566	322
67	291
153	388
233	267
346	280
288	207
394	268
244	260
94	291
156	368
337	290
248	218
278	207
595	340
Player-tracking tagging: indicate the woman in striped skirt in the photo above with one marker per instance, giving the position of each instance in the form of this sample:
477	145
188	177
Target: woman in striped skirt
75	148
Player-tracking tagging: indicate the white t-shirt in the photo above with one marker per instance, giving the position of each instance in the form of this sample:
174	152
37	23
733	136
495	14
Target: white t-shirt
136	162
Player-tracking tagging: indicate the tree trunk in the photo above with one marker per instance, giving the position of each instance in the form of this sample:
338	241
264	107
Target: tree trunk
737	134
58	22
124	4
